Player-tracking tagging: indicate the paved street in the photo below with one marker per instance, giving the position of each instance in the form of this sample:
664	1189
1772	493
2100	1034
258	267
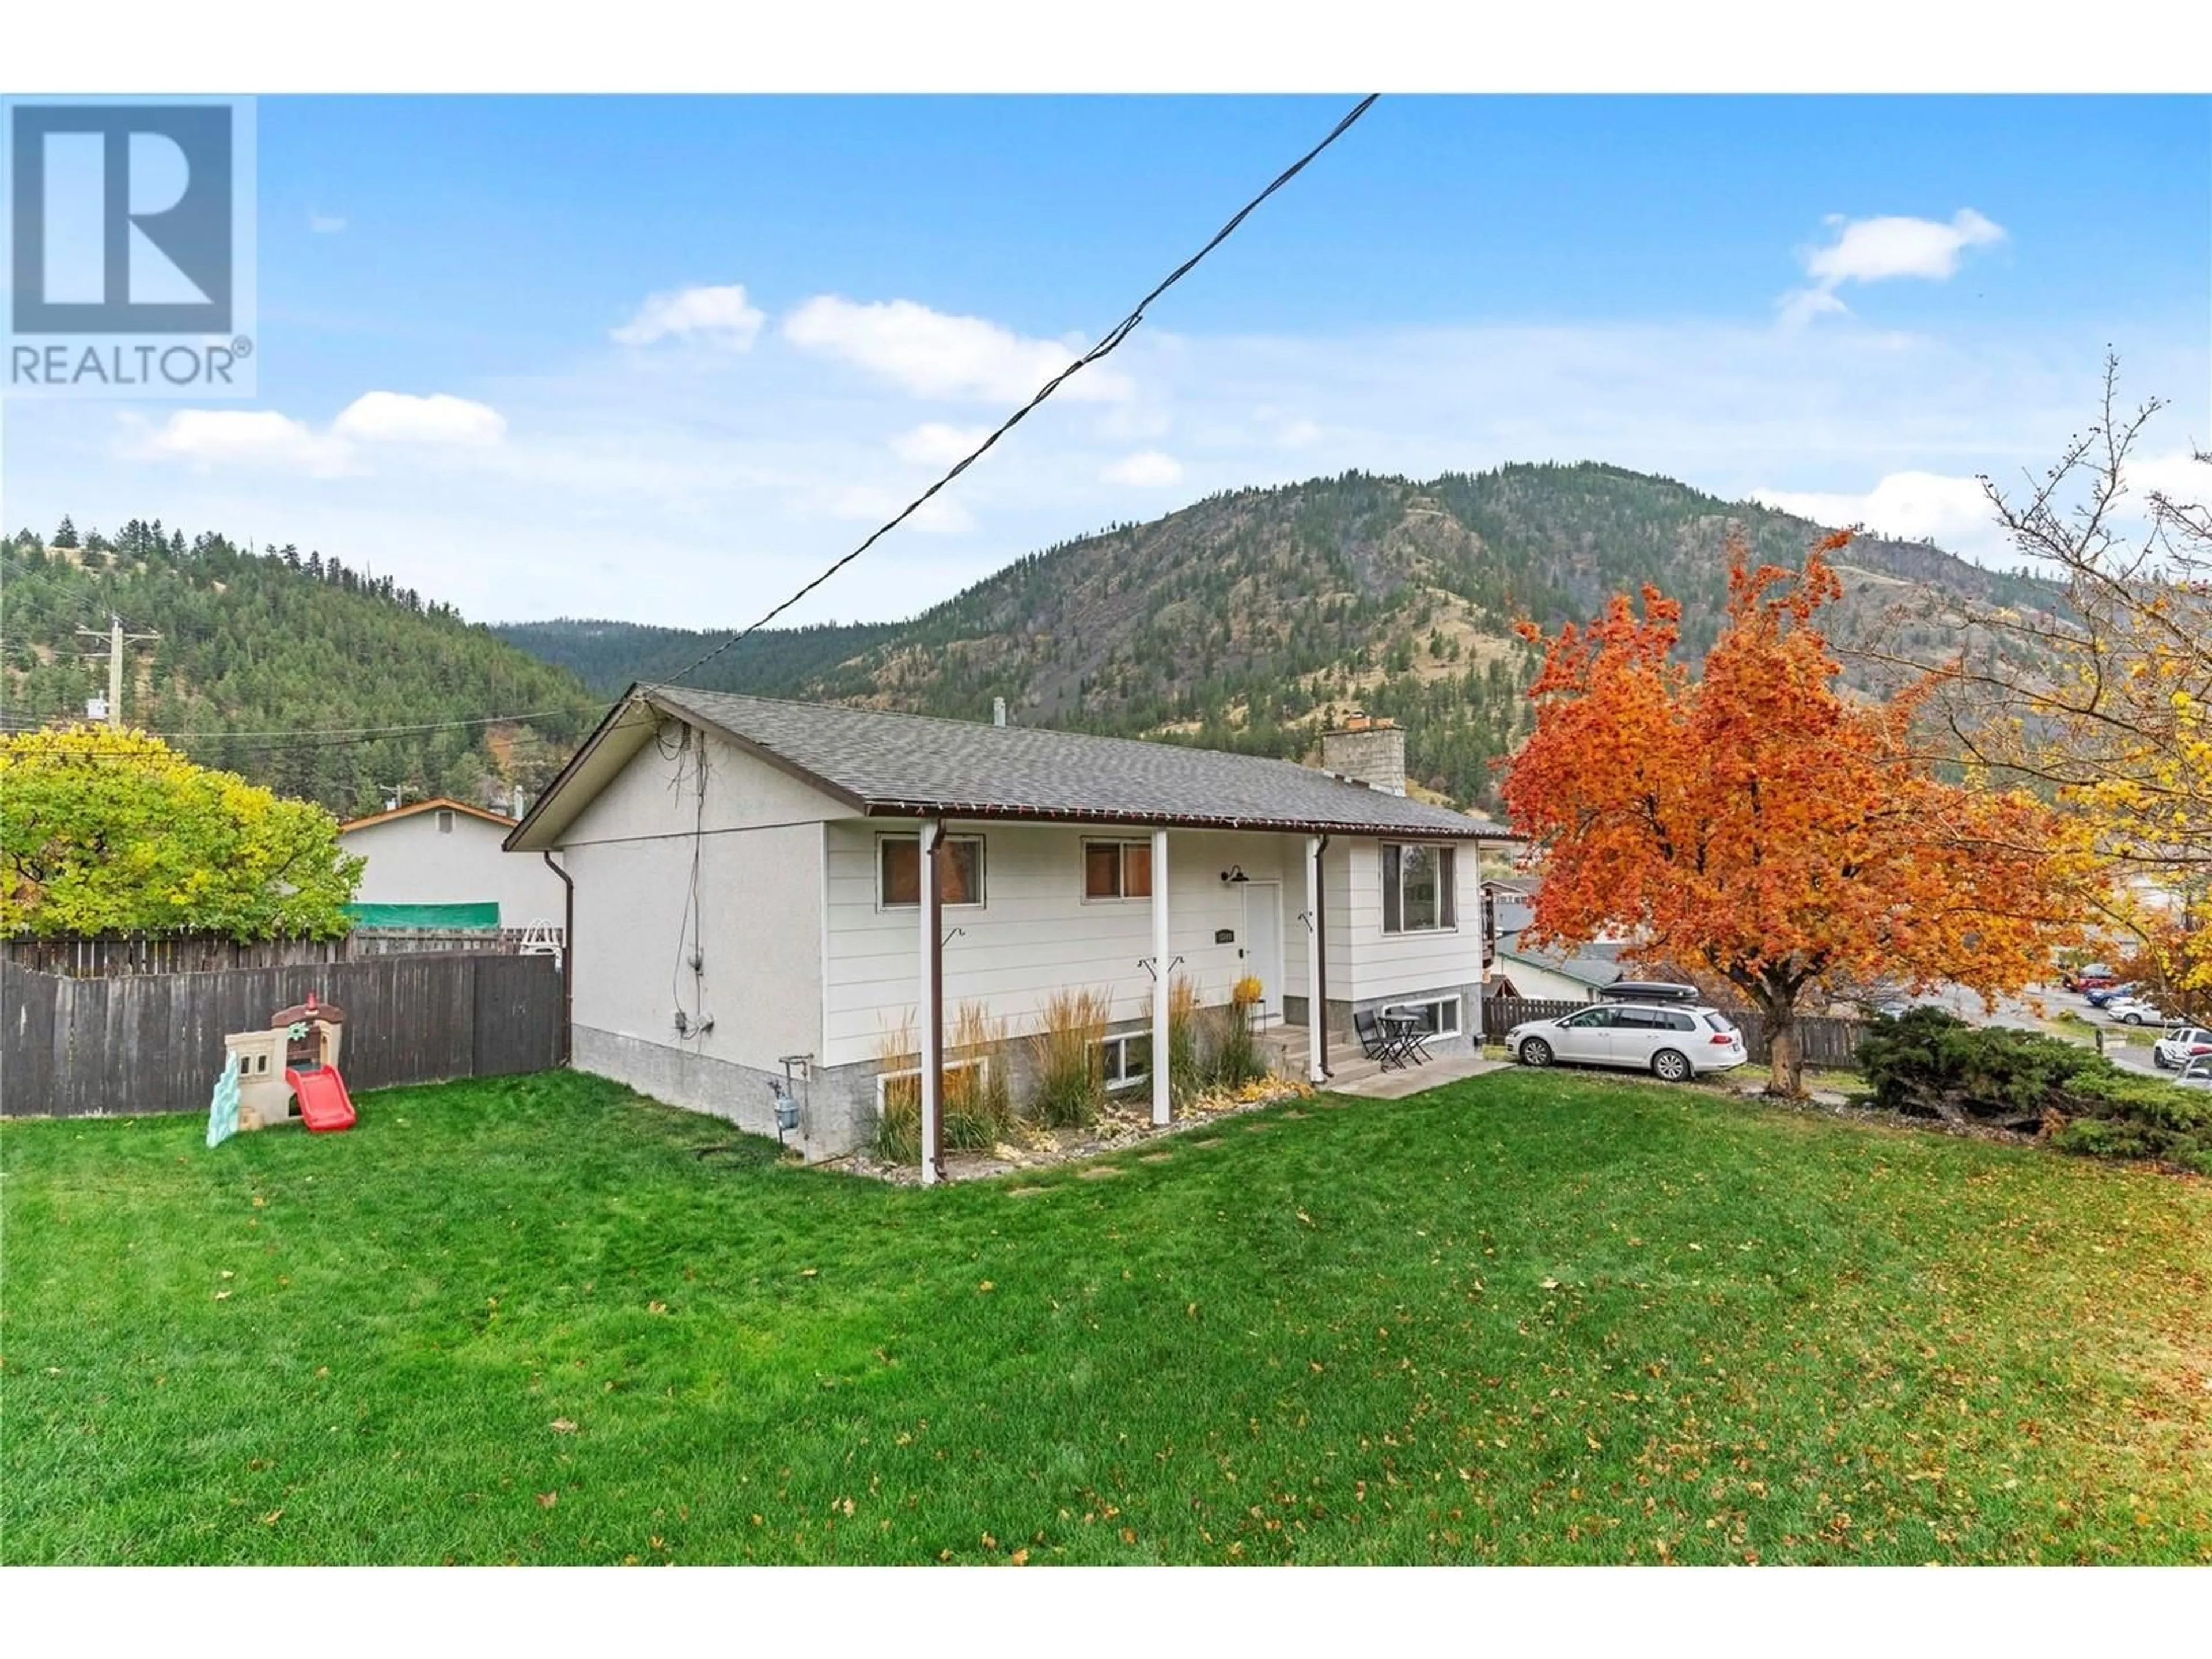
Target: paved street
2125	1046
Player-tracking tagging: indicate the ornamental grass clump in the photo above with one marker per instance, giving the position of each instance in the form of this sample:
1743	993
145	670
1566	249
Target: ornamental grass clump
898	1123
979	1103
1236	1060
1065	1055
1187	1073
978	1088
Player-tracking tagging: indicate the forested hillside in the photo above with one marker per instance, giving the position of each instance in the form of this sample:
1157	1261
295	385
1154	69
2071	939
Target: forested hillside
610	656
283	666
1246	620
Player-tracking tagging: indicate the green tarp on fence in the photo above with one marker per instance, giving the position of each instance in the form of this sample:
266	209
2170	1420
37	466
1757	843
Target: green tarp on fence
424	915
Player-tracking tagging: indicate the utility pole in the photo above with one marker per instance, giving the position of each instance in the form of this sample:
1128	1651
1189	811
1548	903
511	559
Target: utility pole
117	638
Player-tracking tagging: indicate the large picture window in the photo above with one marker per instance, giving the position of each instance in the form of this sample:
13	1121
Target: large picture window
1117	869
1420	891
898	870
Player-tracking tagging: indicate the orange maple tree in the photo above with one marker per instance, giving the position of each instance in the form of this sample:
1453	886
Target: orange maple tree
1752	825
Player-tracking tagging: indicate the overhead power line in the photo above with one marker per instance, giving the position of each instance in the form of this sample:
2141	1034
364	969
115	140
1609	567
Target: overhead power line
310	736
1112	338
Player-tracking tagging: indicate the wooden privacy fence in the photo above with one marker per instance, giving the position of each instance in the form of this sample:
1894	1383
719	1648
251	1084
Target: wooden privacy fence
1826	1041
153	1042
110	954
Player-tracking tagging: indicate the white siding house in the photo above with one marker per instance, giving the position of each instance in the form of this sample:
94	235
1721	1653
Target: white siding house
750	893
440	853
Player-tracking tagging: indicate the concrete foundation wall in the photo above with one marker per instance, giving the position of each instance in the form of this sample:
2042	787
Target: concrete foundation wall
837	1107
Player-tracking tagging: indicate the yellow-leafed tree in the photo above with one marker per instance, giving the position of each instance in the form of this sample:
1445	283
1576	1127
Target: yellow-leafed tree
105	831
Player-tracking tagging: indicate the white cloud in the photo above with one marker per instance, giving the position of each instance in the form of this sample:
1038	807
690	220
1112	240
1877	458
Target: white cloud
1953	512
326	224
1947	510
401	417
269	440
939	515
933	354
1881	249
261	438
936	444
1148	469
1297	434
693	497
722	316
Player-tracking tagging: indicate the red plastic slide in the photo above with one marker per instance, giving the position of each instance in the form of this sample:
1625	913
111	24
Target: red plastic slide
324	1103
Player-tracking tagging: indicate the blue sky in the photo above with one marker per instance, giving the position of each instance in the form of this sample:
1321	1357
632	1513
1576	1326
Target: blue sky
466	377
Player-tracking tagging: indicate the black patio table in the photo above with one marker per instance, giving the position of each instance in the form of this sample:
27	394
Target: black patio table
1404	1031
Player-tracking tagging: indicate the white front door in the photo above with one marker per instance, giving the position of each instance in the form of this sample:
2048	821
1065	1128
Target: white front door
1263	941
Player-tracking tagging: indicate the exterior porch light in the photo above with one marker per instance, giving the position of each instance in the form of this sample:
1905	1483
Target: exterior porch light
1235	873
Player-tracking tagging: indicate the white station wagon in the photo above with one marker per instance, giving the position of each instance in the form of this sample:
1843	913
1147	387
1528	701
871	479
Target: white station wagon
1671	1042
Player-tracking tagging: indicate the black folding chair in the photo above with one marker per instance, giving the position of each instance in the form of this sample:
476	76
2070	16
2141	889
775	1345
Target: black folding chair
1378	1043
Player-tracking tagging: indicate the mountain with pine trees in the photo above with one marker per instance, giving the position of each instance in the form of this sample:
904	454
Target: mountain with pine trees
1245	621
1249	619
302	673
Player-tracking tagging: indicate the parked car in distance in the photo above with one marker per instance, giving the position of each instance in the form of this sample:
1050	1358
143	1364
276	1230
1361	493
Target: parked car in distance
1673	1043
2180	1045
2133	1010
1894	1010
2094	977
2197	1073
2108	994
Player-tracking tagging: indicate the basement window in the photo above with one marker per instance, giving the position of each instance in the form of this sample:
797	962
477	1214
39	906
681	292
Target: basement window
902	1089
1126	1060
1117	870
898	870
1418	888
1432	1015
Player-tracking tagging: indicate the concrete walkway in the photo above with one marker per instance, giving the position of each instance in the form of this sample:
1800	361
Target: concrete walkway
1413	1079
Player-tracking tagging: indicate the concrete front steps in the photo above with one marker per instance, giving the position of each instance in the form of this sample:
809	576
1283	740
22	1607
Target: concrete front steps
1352	1073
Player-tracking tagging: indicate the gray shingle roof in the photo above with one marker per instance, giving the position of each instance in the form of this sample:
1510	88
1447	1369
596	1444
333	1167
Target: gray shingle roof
1596	964
913	765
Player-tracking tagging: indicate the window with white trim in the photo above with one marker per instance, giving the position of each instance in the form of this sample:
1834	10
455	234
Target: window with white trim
1431	1017
1126	1060
905	1087
1117	870
1420	888
898	870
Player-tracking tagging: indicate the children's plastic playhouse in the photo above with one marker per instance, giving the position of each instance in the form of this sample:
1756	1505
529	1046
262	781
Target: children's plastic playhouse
290	1070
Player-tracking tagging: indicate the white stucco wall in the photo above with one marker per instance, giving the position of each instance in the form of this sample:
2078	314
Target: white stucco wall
411	862
758	847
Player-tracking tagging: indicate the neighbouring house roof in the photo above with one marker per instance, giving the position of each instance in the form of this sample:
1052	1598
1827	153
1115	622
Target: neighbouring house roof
441	802
1596	964
891	765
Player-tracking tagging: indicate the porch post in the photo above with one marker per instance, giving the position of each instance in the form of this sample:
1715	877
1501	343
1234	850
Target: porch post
931	1012
1161	1080
1316	1073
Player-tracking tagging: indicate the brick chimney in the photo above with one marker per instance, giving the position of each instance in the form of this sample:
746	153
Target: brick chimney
1369	751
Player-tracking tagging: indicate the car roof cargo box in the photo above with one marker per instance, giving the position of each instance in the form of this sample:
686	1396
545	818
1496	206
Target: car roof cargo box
1649	990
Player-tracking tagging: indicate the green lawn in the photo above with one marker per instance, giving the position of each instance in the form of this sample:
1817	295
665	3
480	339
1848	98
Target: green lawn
1530	1318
